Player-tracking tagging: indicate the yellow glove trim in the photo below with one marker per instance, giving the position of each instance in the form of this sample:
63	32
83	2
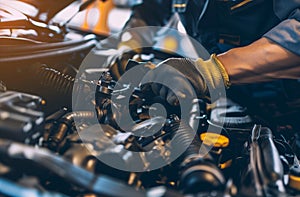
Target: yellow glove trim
222	69
213	73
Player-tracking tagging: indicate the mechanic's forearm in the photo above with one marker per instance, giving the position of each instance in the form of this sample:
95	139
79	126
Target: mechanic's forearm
261	61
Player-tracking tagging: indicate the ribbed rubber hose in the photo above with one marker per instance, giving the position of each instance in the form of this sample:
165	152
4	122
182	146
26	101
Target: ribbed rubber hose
55	80
185	136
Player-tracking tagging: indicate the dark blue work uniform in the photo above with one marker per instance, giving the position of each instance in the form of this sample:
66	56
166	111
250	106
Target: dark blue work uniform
218	23
222	24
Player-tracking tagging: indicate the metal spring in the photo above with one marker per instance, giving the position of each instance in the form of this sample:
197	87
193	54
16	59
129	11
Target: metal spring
2	87
54	79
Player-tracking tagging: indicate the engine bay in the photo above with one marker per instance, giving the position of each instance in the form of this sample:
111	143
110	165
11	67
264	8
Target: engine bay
72	131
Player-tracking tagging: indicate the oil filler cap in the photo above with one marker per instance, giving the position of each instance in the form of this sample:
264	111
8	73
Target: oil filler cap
214	139
294	178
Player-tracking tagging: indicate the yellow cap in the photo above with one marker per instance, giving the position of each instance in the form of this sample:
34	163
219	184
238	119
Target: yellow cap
294	182
214	139
225	164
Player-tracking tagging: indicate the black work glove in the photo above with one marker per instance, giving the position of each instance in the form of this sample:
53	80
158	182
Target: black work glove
118	64
126	51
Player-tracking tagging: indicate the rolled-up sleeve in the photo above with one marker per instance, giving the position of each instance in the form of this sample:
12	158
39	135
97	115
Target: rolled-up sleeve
287	32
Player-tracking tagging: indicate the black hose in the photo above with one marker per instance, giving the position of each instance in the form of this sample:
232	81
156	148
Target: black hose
49	53
9	188
64	126
197	172
56	80
39	47
15	153
185	137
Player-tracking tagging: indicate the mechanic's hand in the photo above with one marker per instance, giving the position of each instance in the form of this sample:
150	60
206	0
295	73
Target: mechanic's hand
203	76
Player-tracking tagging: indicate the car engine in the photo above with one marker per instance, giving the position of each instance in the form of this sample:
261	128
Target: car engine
53	143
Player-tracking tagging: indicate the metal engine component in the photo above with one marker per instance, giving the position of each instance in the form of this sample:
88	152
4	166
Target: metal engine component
20	116
265	164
